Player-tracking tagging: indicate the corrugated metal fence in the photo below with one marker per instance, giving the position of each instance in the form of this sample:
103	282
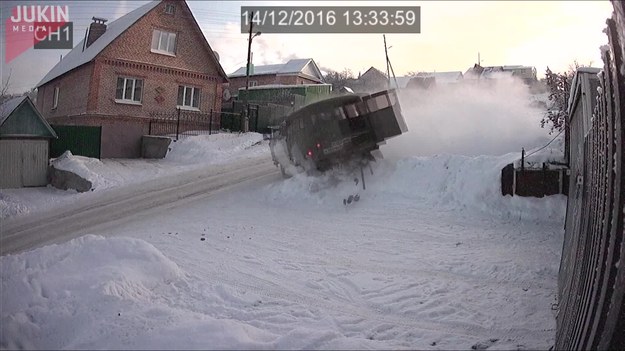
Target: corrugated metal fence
591	304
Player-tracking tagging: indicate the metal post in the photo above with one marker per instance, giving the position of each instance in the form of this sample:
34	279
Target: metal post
210	122
178	124
247	71
256	122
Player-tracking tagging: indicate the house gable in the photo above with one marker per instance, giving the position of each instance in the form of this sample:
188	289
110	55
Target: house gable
81	54
135	44
21	118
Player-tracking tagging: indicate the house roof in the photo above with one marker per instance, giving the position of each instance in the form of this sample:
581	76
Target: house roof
373	72
293	66
78	57
25	127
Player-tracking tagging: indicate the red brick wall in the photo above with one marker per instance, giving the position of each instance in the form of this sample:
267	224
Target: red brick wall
87	94
130	55
121	136
239	82
73	93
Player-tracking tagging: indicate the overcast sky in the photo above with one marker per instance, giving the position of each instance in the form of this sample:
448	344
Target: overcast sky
532	33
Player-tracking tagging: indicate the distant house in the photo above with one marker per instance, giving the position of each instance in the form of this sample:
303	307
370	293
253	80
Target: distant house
426	79
293	72
372	80
24	144
526	73
153	59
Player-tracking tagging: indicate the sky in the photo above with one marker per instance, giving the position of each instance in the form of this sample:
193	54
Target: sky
532	33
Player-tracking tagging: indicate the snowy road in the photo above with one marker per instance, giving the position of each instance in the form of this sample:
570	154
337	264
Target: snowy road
272	264
66	222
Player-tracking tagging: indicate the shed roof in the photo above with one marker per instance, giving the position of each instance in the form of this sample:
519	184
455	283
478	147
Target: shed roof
14	123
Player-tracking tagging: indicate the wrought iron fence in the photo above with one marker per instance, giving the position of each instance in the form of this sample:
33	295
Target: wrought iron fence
183	122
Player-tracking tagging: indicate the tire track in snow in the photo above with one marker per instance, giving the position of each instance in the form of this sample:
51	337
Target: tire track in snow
70	221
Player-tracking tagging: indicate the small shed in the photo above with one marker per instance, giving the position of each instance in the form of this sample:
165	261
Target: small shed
24	144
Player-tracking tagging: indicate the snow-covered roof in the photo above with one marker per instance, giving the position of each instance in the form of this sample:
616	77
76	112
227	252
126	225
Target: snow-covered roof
294	66
9	106
77	57
442	77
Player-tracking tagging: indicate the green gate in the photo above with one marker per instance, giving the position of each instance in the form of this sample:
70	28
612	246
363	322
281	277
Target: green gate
80	140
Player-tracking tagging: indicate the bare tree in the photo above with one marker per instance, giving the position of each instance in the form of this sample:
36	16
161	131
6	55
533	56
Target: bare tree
559	87
5	86
339	79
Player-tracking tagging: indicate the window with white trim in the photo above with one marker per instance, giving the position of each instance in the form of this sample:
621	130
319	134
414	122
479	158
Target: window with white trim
163	42
55	98
188	96
170	9
253	83
129	89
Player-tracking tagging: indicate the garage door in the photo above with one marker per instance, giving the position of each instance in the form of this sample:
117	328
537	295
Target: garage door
23	163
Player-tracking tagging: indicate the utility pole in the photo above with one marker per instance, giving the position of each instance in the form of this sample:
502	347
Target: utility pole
389	66
388	72
246	107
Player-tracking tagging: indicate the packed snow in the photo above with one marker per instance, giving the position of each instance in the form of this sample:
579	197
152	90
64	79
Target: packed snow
430	257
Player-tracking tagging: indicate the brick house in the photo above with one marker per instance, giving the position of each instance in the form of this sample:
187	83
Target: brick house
154	59
293	72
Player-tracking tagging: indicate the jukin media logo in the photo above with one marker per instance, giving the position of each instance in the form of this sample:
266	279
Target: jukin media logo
41	27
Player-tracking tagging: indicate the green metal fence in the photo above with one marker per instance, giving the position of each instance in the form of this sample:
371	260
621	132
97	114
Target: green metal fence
79	140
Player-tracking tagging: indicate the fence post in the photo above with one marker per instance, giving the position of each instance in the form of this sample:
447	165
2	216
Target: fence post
257	115
210	122
178	124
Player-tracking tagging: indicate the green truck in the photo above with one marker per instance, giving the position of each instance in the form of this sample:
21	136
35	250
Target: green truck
336	131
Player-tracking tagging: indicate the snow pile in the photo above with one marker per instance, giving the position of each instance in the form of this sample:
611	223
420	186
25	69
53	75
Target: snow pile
79	165
216	148
123	293
86	294
469	183
451	182
491	117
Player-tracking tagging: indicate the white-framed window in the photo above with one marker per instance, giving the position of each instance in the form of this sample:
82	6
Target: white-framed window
129	90
253	83
188	96
55	98
170	9
163	42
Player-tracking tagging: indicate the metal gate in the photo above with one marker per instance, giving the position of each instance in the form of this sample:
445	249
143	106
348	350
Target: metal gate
79	140
591	296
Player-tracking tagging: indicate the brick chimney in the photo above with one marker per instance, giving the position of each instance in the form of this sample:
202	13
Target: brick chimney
96	29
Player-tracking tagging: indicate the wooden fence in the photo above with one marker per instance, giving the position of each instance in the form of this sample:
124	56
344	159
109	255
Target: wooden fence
591	288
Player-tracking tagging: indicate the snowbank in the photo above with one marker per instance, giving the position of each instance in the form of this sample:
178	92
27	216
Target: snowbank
216	148
451	182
